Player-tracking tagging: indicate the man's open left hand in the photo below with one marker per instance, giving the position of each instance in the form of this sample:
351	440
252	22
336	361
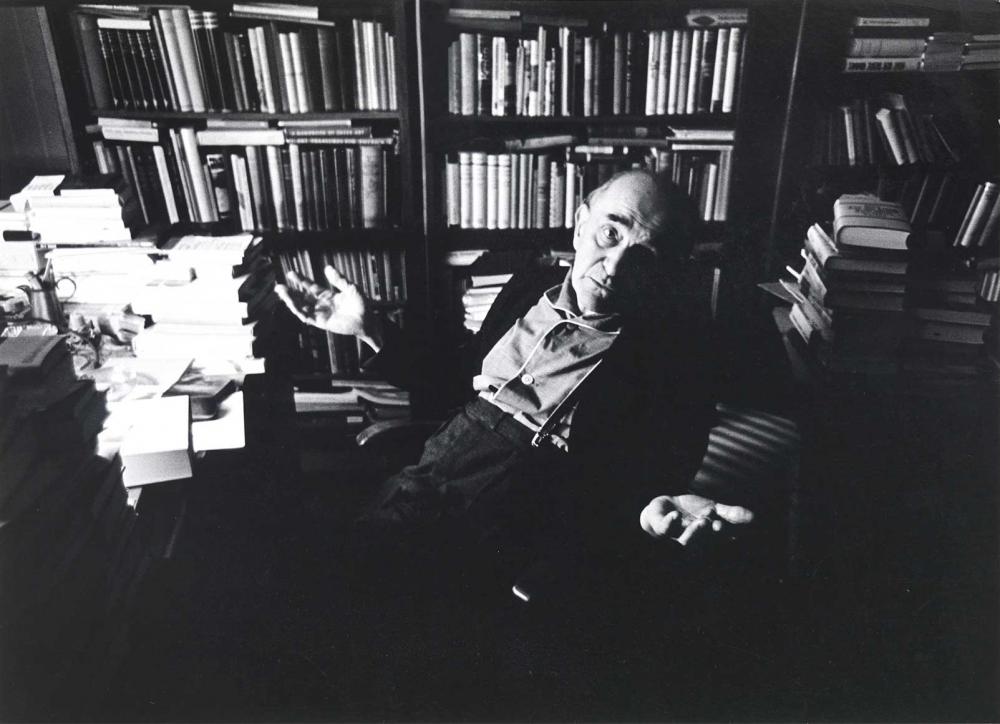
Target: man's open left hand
690	518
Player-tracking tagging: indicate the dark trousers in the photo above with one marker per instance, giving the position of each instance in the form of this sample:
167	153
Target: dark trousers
480	494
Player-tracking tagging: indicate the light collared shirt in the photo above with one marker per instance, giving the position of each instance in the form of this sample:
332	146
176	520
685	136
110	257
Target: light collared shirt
535	368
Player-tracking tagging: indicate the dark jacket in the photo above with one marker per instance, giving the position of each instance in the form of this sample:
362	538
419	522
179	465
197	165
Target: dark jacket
642	423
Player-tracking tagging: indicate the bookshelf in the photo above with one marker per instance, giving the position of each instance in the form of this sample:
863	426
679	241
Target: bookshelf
602	109
961	101
297	123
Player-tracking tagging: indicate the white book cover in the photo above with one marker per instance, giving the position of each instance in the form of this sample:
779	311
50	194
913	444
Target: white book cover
157	446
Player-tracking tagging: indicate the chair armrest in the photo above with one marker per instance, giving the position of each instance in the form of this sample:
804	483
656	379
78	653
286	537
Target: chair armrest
396	432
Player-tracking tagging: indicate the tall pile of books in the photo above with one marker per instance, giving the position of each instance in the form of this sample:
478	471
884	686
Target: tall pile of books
569	69
224	312
266	57
305	175
71	209
866	305
538	182
849	296
70	554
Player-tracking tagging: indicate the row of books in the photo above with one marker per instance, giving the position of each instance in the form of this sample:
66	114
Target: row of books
180	59
867	131
71	553
563	72
540	190
252	178
962	51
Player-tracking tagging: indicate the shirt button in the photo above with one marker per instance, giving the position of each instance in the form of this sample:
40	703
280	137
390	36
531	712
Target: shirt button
527	379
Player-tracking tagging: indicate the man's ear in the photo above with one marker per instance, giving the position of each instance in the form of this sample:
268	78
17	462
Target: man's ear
579	217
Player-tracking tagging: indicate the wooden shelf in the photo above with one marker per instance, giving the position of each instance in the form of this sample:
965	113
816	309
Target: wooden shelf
338	239
454	239
714	120
247	116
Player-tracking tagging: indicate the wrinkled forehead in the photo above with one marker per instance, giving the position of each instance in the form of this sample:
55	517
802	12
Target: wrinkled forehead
635	196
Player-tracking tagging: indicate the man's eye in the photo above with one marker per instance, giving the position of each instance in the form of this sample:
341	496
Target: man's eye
609	234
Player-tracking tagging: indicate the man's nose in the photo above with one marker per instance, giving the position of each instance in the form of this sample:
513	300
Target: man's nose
613	259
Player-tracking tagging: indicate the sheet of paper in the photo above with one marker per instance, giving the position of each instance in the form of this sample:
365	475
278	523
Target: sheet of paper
226	432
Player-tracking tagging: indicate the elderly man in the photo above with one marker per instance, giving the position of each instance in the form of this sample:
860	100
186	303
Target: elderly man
592	394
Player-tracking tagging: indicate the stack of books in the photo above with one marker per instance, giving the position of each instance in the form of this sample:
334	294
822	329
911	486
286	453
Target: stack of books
263	57
886	43
478	298
309	175
850	294
224	312
567	70
71	209
70	553
950	51
867	306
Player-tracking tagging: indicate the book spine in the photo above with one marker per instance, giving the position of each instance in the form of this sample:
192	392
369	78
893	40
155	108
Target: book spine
652	68
985	198
219	68
478	176
189	59
199	184
165	185
373	211
674	81
369	56
469	73
157	95
524	190
557	194
631	73
684	71
542	192
360	72
492	190
694	70
237	73
707	66
298	196
514	176
719	70
298	74
354	187
277	187
241	181
324	44
589	63
453	192
289	94
618	73
600	70
732	69
382	66
346	72
890	132
664	68
455	78
569	203
183	175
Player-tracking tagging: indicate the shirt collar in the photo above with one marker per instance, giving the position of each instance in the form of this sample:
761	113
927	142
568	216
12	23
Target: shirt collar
563	299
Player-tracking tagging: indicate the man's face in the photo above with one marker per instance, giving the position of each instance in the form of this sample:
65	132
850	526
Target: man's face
613	241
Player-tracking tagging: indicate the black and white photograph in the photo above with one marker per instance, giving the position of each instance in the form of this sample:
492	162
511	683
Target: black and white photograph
500	361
